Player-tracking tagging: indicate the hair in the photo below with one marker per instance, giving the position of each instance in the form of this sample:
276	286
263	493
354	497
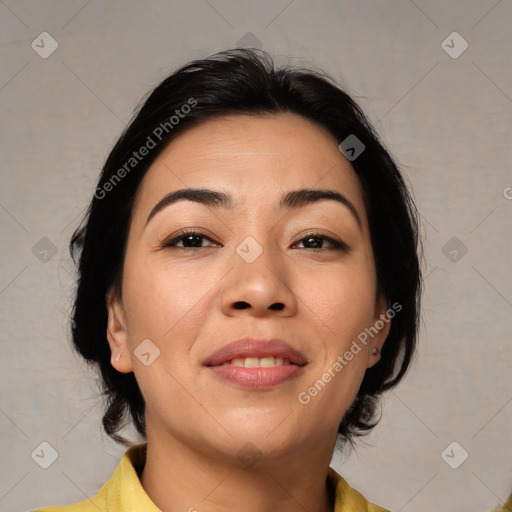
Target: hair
244	81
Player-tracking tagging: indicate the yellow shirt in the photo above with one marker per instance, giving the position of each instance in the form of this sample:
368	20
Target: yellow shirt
124	492
506	507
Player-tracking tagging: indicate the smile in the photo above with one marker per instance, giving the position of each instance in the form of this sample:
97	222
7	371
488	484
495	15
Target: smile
257	362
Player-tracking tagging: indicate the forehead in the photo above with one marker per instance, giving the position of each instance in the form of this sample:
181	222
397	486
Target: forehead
253	158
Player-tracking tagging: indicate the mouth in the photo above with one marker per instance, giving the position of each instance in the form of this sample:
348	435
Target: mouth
256	364
249	351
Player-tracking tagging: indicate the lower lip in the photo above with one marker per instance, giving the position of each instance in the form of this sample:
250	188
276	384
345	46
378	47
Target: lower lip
258	378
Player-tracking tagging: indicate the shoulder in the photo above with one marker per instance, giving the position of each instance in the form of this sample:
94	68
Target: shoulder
506	507
347	499
94	504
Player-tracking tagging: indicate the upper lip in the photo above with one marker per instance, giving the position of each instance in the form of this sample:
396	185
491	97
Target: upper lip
256	347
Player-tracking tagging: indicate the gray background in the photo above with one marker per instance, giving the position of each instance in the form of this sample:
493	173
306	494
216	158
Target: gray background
447	121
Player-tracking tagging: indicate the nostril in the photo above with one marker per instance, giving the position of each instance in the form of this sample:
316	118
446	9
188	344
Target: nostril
244	305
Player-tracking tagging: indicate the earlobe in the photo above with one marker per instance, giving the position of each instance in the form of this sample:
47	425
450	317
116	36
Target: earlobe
117	334
382	324
373	357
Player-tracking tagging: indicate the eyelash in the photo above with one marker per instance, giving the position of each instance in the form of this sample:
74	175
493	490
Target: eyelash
184	234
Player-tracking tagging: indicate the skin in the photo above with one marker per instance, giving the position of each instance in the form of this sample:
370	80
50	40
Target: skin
183	300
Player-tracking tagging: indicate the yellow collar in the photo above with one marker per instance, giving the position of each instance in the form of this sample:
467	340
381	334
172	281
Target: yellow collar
124	492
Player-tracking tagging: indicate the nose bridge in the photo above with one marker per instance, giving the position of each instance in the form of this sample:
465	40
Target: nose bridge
259	281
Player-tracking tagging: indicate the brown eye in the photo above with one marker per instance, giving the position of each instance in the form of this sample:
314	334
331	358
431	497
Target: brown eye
315	241
189	239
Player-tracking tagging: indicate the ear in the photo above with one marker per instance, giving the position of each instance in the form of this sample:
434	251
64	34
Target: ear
381	326
117	333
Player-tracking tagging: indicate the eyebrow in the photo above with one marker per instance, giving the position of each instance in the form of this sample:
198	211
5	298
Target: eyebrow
290	200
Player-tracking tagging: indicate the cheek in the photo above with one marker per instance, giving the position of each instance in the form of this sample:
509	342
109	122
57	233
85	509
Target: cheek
160	301
343	298
342	302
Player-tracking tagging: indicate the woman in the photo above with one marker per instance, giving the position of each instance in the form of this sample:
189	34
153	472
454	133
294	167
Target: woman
249	285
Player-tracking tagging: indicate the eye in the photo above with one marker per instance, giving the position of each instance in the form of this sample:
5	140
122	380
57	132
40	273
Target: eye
189	239
194	240
316	240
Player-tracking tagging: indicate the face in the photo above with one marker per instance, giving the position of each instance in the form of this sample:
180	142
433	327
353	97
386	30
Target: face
198	276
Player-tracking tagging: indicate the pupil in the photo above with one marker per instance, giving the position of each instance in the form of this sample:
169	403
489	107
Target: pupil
191	237
314	238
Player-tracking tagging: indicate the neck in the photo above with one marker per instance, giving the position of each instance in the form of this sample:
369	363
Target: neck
178	476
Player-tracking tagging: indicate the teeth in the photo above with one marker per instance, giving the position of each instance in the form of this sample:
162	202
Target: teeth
252	362
267	361
256	362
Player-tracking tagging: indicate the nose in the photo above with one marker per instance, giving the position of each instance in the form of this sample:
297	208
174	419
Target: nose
259	289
